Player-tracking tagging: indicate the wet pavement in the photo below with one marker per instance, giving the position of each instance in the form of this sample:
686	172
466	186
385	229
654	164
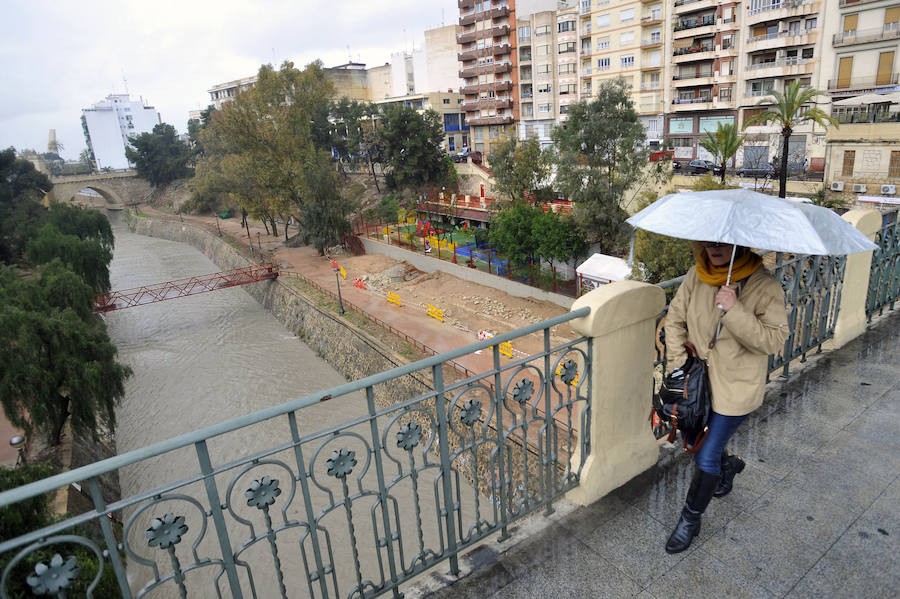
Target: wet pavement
814	514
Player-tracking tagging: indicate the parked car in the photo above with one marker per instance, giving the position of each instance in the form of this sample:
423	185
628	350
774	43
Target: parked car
462	155
701	167
765	169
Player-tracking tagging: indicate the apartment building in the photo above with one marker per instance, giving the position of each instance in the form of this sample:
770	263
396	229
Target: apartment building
488	65
782	42
703	74
537	72
863	81
109	124
626	38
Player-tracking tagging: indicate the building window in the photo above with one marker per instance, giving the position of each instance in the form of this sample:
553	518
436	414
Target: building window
847	166
726	68
807	53
603	43
566	68
603	20
566	26
451	122
545	89
603	64
446	100
682	125
564	109
894	166
680	142
566	47
525	53
527	110
749	113
543	50
544	69
451	143
627	38
725	93
542	30
544	107
525	33
567	88
727	41
811	23
626	15
627	61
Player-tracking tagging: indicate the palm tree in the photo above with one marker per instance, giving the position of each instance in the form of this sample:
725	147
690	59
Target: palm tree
786	111
723	144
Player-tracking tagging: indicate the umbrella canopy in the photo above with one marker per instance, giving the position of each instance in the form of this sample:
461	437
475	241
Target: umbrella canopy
752	219
868	99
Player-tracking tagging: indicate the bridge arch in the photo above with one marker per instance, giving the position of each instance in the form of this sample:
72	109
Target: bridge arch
116	190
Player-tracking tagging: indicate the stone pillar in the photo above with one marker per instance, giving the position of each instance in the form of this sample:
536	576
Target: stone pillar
622	323
851	320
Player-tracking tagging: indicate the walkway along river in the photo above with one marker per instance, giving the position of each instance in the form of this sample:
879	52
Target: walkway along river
197	361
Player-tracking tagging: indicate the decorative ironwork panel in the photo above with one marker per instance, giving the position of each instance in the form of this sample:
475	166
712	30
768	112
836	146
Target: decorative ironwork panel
354	510
884	276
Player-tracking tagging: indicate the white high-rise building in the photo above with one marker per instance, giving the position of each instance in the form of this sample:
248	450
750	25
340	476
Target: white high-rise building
109	123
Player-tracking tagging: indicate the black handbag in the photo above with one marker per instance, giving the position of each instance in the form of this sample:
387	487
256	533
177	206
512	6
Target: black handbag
685	401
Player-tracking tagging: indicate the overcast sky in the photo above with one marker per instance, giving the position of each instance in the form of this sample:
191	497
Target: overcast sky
59	57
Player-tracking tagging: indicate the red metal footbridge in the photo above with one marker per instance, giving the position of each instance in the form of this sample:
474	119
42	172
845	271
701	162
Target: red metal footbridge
148	294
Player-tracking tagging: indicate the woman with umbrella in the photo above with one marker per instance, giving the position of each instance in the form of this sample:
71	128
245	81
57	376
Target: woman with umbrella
733	311
750	308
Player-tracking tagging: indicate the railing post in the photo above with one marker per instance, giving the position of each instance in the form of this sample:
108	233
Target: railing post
851	317
109	537
622	325
440	407
215	508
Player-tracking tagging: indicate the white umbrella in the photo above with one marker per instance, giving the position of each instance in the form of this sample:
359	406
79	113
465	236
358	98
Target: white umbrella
752	219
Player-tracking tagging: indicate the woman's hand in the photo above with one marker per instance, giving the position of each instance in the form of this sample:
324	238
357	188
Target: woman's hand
726	298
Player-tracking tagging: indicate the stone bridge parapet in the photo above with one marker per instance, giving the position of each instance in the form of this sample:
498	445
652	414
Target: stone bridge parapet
117	190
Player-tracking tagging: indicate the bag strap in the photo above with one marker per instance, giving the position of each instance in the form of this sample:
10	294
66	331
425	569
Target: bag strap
698	441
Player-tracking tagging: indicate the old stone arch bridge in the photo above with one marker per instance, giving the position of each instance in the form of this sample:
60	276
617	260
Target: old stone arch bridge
117	190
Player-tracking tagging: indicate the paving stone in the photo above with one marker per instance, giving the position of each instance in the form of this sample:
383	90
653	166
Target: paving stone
635	543
862	454
837	578
769	556
702	575
829	478
807	516
586	519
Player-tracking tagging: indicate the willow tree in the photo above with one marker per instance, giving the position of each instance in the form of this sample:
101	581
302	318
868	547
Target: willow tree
788	111
256	148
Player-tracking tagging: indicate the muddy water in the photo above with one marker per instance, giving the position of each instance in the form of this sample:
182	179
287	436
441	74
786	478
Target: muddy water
207	358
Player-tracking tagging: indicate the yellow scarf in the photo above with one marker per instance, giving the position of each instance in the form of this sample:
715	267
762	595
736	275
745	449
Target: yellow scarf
745	264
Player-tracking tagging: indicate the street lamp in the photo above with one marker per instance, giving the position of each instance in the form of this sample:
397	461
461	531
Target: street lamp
17	442
337	277
219	229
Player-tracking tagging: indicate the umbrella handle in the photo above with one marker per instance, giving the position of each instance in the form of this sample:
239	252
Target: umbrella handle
727	284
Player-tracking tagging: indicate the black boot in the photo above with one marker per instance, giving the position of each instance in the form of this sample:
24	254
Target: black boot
731	466
699	496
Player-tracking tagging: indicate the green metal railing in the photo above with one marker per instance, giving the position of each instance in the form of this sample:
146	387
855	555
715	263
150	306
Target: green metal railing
354	510
884	275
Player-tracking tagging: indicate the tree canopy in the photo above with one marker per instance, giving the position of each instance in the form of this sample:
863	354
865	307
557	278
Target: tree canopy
159	157
789	110
601	155
723	144
520	167
411	145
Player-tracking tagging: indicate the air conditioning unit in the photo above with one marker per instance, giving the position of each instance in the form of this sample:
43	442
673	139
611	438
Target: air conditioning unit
859	188
889	189
837	186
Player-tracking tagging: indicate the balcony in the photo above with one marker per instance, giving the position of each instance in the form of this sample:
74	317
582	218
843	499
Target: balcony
465	3
683	55
693	80
494	86
686	24
471	36
865	36
782	9
470	18
651	20
470	105
846	3
493	50
586	30
651	86
862	82
782	67
781	39
486	69
500	119
651	42
686	6
587	72
650	66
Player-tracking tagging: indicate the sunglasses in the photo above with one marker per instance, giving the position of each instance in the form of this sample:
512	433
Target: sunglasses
715	244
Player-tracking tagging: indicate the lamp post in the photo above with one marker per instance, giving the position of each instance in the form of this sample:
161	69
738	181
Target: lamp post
219	229
259	246
17	442
337	277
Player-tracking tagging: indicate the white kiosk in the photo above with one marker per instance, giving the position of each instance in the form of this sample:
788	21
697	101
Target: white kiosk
601	269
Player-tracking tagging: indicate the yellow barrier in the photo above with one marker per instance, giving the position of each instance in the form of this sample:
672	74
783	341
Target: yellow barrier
506	349
343	273
434	312
394	298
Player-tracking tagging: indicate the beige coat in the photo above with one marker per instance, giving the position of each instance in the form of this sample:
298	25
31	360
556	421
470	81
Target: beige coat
753	328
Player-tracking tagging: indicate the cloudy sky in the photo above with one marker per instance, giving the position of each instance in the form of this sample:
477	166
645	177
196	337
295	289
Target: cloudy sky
59	57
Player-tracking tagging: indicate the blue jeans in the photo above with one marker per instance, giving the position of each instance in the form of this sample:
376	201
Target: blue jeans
709	458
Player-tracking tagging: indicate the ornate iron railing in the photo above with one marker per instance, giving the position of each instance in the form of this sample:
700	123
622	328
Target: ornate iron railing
884	276
812	294
354	510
